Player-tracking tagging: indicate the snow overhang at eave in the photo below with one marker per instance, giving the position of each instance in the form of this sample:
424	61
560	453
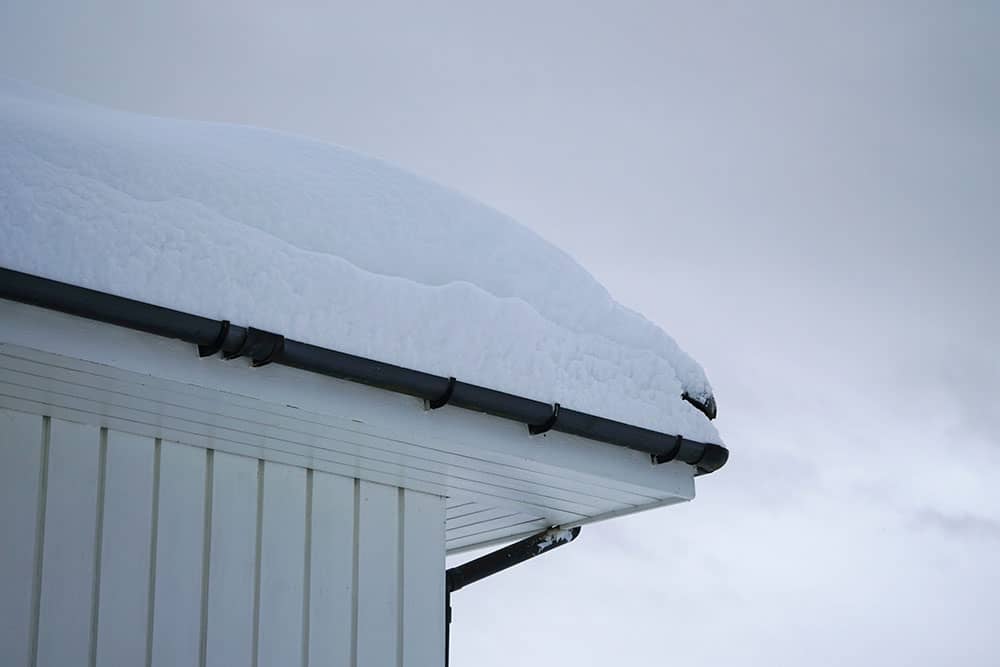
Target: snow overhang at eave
261	347
501	481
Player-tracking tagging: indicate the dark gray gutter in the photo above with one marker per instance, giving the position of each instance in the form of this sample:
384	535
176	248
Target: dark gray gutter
263	347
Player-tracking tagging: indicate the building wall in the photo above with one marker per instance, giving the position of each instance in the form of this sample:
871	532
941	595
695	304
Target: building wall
122	549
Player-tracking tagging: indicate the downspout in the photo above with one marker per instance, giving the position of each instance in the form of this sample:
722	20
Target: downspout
475	570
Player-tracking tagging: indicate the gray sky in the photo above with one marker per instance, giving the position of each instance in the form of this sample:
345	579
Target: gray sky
806	197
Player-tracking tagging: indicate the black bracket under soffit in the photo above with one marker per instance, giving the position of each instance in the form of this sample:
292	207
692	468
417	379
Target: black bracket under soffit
261	346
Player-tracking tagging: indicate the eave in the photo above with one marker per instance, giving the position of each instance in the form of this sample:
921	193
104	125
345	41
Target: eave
262	347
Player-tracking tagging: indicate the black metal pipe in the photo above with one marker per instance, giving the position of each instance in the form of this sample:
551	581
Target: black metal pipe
359	369
462	575
264	347
447	628
499	404
94	305
477	569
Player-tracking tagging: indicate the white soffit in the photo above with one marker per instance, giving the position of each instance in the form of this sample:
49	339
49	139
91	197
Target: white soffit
500	482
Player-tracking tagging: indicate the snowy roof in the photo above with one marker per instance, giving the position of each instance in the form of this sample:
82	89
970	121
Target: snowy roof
328	247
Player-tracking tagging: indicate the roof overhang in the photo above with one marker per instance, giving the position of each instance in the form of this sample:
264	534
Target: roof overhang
502	480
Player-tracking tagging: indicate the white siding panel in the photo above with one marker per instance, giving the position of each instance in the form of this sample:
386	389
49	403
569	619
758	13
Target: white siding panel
331	570
282	566
423	579
126	530
180	530
303	567
232	561
378	578
21	452
68	557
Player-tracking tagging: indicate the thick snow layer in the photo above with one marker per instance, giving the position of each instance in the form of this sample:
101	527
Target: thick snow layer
328	247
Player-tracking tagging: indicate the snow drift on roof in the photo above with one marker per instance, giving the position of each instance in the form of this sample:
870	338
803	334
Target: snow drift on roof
327	247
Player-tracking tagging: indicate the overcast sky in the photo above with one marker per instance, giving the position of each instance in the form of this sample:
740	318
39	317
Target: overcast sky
807	197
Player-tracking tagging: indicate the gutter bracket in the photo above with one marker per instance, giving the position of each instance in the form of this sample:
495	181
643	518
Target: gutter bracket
216	346
443	399
538	429
261	346
667	458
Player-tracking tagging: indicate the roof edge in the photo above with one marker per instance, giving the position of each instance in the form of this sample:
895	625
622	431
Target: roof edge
263	347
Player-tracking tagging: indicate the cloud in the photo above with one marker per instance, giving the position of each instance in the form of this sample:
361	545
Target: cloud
960	527
803	196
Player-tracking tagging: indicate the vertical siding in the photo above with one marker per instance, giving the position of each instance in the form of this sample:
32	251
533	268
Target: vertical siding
179	554
423	591
232	561
69	554
121	549
378	557
122	611
331	571
21	466
282	566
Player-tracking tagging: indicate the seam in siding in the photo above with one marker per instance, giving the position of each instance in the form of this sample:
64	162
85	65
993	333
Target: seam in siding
153	545
258	544
307	570
36	584
354	573
206	555
400	565
95	591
